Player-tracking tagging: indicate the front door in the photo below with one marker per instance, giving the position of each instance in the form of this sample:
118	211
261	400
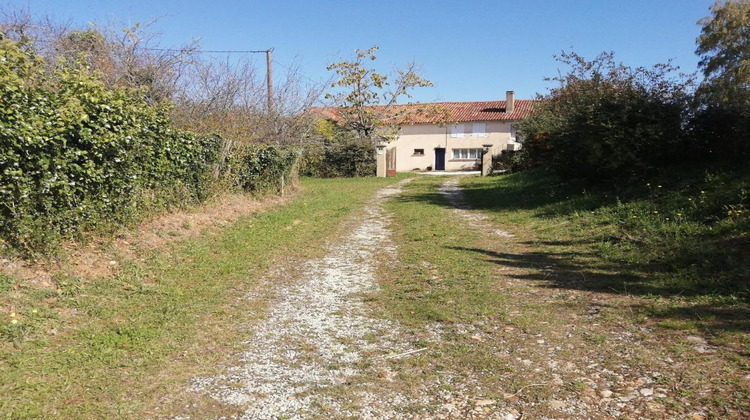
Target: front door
439	159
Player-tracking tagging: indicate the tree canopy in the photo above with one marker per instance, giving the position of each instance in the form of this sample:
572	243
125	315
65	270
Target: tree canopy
724	50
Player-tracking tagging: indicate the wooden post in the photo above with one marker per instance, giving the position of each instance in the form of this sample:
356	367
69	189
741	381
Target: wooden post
269	80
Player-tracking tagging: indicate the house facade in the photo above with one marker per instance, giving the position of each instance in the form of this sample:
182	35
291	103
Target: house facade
457	145
456	142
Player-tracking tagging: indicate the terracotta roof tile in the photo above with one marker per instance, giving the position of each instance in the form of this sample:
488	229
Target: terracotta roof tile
456	111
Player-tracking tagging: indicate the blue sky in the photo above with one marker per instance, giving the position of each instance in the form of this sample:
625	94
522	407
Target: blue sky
471	50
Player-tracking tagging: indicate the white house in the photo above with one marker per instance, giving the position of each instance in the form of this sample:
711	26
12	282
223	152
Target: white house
455	142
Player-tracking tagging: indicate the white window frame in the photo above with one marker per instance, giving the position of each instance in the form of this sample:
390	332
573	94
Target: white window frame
467	154
457	131
479	130
418	154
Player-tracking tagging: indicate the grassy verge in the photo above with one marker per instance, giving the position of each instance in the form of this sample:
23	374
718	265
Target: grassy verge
598	305
437	283
681	240
111	348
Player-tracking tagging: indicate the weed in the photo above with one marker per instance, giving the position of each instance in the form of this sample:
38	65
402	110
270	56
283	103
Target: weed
595	338
68	286
6	283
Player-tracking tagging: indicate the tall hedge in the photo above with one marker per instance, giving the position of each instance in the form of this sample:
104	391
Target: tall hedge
605	119
76	155
262	168
339	160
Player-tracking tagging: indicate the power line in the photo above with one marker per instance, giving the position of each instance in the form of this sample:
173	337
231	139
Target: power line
188	51
301	75
269	69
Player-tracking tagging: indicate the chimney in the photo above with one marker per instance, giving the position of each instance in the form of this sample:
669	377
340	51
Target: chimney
509	101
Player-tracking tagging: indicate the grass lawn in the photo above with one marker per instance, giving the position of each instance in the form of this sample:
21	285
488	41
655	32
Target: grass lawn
681	240
599	292
109	348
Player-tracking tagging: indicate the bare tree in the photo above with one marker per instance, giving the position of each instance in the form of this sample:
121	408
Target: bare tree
229	98
131	57
210	94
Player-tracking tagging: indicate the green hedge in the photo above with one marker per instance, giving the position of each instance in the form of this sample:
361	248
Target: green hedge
339	160
262	168
76	155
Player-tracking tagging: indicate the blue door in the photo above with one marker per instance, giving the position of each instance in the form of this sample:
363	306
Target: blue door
439	159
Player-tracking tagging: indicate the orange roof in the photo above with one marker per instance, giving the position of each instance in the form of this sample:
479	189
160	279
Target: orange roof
455	111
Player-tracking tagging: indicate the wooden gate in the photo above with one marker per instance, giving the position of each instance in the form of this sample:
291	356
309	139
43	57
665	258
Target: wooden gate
390	162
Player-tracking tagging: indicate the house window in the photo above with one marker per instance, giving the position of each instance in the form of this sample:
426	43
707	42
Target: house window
457	130
467	154
479	130
418	152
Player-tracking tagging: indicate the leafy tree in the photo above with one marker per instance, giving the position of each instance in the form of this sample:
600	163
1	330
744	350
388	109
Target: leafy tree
721	125
605	118
724	50
368	100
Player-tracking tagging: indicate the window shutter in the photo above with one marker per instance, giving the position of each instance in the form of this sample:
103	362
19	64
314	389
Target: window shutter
479	130
457	130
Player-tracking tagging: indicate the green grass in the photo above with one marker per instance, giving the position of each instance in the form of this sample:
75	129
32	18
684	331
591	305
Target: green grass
685	232
109	348
437	282
581	281
681	240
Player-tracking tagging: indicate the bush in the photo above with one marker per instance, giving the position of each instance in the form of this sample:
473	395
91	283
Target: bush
722	132
262	168
510	161
606	119
337	160
76	155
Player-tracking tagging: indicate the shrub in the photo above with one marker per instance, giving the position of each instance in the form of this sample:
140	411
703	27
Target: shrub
75	155
510	161
262	168
722	132
335	160
606	119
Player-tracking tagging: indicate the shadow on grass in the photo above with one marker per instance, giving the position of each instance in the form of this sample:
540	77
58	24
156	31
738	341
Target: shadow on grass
560	271
725	317
434	199
698	259
542	192
546	194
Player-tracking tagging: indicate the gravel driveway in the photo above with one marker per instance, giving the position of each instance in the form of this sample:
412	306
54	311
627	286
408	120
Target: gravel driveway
317	335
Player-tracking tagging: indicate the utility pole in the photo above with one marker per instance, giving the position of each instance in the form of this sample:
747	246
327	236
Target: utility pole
269	80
